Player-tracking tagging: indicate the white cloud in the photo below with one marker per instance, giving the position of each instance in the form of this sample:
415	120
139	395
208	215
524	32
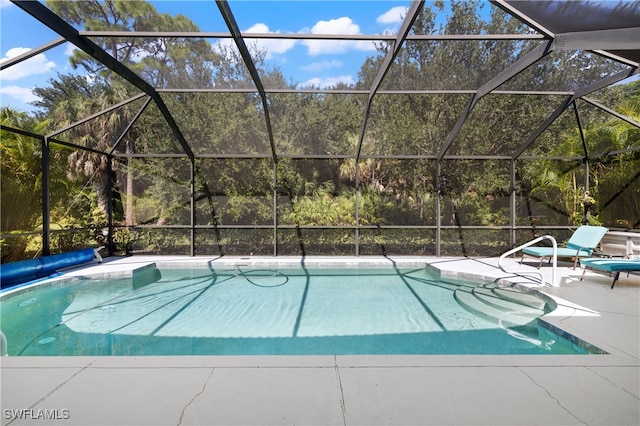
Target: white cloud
270	46
321	66
138	55
5	3
223	46
22	94
342	25
68	51
38	64
324	83
394	15
336	26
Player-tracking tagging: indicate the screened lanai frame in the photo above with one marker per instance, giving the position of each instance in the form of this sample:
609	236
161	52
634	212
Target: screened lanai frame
615	38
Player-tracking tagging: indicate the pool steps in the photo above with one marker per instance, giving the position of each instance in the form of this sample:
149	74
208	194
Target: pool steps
145	275
520	297
491	301
494	297
496	293
485	303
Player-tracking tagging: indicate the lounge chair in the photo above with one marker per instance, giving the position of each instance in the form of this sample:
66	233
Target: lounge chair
581	244
611	265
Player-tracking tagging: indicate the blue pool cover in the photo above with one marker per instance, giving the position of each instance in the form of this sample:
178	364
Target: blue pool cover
22	271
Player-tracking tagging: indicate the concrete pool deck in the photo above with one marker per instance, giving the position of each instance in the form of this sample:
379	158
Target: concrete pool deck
355	390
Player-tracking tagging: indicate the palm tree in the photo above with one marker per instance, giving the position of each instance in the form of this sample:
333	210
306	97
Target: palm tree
71	98
163	62
561	186
615	170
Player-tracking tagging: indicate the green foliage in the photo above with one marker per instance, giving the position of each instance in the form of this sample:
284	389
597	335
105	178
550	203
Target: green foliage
21	180
235	183
321	208
561	184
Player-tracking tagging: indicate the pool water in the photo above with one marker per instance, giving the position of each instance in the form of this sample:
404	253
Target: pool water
298	311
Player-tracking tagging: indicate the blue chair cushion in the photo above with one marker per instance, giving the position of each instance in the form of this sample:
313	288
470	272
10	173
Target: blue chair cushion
562	252
612	265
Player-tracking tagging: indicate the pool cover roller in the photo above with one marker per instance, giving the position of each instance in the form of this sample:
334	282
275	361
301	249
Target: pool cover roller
27	270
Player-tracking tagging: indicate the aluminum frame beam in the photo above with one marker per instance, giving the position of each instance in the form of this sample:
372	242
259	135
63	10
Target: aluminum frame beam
412	14
614	39
230	20
407	23
524	18
31	53
21	132
517	67
129	126
298	36
95	115
57	24
610	111
366	92
562	107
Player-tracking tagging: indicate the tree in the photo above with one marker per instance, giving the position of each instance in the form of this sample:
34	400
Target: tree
21	180
21	173
615	169
70	98
613	165
420	124
164	62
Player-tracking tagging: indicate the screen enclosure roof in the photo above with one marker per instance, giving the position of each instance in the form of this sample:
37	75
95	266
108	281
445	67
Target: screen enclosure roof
548	37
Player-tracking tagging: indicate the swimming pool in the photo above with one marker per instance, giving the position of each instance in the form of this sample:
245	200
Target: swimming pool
243	310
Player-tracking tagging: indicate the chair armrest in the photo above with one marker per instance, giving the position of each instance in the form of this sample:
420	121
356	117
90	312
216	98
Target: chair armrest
589	250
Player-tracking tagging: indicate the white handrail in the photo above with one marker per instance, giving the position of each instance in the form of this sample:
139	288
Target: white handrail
532	242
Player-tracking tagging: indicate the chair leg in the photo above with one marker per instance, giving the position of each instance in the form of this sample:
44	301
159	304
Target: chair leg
615	279
583	272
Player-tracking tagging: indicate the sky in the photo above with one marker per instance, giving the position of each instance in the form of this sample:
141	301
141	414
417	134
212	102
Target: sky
305	62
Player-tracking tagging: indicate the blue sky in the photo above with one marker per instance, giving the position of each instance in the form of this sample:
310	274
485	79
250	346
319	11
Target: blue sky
305	62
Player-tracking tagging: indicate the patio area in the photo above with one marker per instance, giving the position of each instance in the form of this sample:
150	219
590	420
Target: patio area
351	390
432	134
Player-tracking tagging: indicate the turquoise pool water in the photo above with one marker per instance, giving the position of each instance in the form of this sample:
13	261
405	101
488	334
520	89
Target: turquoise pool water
298	311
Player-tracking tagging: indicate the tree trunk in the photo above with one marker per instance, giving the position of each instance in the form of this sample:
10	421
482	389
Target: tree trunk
130	215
